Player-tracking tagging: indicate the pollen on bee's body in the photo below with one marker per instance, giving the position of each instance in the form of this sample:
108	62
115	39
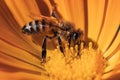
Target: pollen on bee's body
89	66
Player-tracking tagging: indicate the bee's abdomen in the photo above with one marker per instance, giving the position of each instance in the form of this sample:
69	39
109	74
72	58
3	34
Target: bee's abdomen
34	27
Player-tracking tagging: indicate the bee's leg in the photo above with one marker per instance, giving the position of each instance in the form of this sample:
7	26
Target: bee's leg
44	52
69	40
78	53
60	45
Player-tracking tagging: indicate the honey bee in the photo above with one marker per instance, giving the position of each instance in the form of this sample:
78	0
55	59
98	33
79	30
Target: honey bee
57	28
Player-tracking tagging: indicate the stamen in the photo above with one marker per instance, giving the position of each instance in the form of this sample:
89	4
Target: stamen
76	50
90	66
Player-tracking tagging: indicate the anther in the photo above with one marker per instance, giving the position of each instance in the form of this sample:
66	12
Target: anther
90	45
76	49
81	45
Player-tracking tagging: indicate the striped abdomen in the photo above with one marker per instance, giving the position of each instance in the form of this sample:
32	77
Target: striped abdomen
35	26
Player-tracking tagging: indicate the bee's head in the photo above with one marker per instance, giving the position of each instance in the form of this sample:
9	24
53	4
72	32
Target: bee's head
78	34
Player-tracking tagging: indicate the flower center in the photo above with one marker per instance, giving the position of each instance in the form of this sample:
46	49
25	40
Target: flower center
88	66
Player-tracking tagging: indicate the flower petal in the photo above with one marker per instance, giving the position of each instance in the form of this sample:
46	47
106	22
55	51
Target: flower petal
15	37
17	61
111	24
96	16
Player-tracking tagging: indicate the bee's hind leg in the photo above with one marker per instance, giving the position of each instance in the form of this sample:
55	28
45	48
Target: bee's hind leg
44	51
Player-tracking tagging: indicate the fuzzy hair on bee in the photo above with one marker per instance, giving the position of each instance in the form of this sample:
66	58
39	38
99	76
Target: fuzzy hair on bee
62	30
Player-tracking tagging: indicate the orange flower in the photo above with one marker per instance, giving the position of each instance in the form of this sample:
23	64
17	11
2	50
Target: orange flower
20	56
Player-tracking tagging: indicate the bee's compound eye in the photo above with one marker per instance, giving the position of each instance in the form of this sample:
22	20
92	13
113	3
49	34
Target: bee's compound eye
75	36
